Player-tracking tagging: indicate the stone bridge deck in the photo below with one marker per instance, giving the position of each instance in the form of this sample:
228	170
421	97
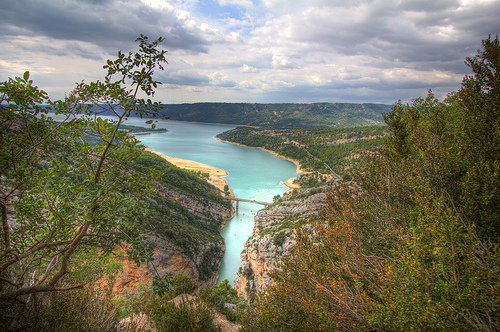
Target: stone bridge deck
245	200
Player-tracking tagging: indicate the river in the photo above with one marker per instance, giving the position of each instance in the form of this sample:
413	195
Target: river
252	174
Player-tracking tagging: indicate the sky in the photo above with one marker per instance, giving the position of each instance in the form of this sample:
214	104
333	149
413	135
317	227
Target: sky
262	51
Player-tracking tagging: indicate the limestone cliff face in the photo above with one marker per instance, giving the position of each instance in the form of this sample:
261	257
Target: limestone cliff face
186	235
204	210
169	258
273	238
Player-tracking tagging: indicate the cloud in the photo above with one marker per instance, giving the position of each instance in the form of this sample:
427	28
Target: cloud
109	24
281	61
248	69
183	77
221	80
239	3
269	50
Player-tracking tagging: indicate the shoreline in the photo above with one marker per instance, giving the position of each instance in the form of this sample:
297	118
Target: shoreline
149	132
215	174
298	170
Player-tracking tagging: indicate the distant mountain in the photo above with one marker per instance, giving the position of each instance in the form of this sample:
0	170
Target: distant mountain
280	116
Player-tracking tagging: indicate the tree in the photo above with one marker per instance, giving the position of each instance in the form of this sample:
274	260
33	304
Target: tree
479	104
61	196
414	244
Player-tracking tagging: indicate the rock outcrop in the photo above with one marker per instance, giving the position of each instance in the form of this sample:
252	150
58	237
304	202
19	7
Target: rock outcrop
169	258
273	237
205	211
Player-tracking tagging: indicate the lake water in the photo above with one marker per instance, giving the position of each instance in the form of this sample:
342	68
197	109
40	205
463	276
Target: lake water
252	174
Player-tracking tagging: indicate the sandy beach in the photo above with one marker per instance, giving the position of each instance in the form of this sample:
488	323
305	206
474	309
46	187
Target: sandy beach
215	174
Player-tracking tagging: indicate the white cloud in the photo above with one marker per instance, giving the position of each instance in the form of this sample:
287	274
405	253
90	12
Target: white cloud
281	61
248	69
240	3
221	79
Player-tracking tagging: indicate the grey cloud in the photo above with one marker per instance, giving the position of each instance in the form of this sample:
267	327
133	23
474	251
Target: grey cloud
67	47
183	77
343	93
439	39
226	84
107	23
430	6
367	46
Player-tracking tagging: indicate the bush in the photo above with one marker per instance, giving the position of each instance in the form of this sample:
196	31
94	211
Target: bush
187	316
133	300
217	296
279	239
182	284
88	309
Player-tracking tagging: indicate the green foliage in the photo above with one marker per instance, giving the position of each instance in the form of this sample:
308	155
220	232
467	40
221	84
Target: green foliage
89	309
188	316
279	239
172	286
413	244
92	264
436	277
80	310
318	150
182	284
217	296
60	194
162	285
278	116
479	105
142	250
133	301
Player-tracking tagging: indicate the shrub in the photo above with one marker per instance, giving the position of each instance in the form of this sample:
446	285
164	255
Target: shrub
217	296
279	239
188	316
88	309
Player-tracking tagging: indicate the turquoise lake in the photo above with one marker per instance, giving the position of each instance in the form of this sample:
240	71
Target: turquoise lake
252	174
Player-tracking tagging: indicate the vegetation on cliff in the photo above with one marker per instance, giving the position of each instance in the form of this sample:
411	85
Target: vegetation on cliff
187	211
414	244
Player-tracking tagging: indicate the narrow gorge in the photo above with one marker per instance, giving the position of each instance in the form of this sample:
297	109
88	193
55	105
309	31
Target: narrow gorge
273	237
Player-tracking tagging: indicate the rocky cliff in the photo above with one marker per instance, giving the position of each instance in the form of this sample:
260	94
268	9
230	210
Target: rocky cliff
204	209
273	237
183	222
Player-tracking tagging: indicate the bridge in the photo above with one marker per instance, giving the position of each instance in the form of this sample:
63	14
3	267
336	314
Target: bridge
236	199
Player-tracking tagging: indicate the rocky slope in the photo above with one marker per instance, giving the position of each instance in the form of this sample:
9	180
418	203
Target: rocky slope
183	222
273	237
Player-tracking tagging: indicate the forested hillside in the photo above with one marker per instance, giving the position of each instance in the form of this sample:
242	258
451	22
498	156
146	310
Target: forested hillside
317	115
317	150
